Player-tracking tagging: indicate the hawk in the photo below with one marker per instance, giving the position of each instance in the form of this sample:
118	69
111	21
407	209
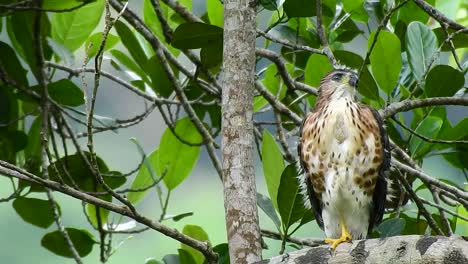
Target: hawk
344	154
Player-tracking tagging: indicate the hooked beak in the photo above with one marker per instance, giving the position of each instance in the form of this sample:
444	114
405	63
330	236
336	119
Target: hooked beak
353	80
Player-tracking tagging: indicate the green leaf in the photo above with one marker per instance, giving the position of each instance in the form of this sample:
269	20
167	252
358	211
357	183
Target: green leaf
179	217
223	253
131	43
391	227
65	92
185	257
443	80
385	60
215	10
81	174
171	259
159	79
272	82
211	56
152	261
12	65
317	67
267	206
290	200
145	177
91	211
459	40
367	85
34	211
178	159
421	44
273	165
94	42
81	239
62	4
304	8
71	29
411	12
21	32
195	35
197	233
356	9
429	127
131	65
269	4
151	20
61	52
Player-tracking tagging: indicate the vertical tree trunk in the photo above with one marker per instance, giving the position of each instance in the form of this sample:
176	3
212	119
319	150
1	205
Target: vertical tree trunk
237	132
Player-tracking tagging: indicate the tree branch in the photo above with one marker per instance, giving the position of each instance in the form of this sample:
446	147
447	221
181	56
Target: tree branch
397	249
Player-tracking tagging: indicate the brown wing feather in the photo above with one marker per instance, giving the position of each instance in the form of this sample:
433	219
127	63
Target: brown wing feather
314	201
380	190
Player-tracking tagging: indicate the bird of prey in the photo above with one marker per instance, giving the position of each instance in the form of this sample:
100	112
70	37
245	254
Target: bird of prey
344	154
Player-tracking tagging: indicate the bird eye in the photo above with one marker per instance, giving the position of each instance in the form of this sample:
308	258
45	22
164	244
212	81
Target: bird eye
337	77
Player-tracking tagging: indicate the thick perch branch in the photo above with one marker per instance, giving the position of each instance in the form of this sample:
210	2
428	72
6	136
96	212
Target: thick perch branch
412	249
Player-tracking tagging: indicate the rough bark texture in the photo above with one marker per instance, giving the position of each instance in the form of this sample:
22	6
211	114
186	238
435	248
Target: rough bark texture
237	132
412	249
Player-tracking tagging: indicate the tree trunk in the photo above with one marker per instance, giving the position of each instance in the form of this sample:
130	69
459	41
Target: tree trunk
237	132
412	249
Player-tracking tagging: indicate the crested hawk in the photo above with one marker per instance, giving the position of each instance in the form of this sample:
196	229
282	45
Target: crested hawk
343	151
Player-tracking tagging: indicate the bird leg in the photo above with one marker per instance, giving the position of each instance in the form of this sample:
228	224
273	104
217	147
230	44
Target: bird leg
345	237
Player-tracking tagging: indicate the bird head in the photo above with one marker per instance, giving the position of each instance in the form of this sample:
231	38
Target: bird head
339	83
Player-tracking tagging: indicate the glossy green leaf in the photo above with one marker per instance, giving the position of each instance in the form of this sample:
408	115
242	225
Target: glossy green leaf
272	82
391	227
63	4
81	239
215	10
130	64
267	206
152	261
92	212
179	158
159	79
317	67
131	43
94	42
385	60
356	9
81	174
211	56
290	200
304	8
198	233
35	211
421	44
185	257
273	165
145	177
412	12
459	41
65	92
12	65
179	217
195	35
71	29
171	259
269	4
443	80
20	30
429	127
61	52
151	20
223	253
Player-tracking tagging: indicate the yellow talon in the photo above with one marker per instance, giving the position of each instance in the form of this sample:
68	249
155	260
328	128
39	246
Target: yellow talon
345	237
